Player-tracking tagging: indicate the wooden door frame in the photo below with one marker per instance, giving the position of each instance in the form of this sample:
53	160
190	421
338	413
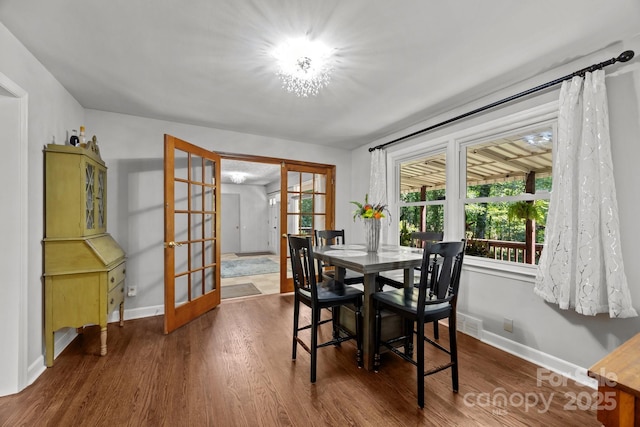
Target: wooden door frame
287	284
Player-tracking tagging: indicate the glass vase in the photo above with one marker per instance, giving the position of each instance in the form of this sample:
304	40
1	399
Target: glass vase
372	234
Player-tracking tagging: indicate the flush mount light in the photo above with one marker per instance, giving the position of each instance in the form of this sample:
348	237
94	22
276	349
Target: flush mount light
304	66
237	177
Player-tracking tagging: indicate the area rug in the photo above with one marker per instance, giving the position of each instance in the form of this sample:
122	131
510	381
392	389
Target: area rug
248	267
240	290
253	253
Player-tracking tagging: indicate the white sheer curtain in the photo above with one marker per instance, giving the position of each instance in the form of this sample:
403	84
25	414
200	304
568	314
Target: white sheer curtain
378	187
581	264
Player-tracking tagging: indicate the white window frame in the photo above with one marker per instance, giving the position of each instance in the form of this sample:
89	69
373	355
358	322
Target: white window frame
454	145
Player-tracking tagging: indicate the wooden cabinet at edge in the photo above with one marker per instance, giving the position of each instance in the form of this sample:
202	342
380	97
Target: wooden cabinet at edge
84	267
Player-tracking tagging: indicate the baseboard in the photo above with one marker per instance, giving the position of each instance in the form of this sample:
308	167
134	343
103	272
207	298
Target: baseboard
137	313
544	360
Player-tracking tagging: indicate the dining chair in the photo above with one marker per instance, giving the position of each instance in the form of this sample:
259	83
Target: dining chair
434	299
395	278
334	237
327	294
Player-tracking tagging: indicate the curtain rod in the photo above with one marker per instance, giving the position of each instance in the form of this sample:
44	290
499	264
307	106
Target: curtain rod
623	57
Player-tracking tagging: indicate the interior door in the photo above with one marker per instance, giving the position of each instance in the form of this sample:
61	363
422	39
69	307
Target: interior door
274	224
230	242
307	204
192	226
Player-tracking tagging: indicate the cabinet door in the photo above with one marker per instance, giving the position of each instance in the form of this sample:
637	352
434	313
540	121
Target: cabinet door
95	180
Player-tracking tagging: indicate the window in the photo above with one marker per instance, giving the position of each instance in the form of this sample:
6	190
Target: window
489	184
508	179
422	195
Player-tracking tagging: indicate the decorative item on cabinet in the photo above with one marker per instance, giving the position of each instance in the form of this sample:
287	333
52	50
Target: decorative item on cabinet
84	267
73	140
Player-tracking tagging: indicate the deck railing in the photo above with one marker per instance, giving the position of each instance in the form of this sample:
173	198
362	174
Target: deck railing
501	249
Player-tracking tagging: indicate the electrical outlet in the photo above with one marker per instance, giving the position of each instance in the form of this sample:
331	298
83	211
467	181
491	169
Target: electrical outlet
131	292
508	324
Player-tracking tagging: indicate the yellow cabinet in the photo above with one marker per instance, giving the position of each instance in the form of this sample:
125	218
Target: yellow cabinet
84	267
76	190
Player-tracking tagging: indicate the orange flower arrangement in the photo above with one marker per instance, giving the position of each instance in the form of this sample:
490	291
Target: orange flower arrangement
369	210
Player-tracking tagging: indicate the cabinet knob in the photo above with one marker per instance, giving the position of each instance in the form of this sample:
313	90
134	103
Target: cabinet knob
113	279
111	303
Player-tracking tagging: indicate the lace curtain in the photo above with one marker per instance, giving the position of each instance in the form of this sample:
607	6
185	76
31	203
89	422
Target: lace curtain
581	265
378	187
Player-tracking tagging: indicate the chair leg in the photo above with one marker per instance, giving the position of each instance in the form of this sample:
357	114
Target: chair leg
315	318
420	362
359	336
335	317
296	312
453	348
378	333
408	342
436	330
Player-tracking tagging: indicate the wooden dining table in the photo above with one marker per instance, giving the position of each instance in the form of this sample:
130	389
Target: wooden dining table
355	257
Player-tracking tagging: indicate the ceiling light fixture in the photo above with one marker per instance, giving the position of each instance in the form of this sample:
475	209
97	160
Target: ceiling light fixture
303	66
237	177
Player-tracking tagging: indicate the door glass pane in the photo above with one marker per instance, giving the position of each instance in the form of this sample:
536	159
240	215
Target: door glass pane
320	183
181	195
181	163
319	222
293	181
196	169
181	288
319	204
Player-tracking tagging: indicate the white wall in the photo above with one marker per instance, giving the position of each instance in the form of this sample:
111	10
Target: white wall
254	216
52	113
132	148
542	329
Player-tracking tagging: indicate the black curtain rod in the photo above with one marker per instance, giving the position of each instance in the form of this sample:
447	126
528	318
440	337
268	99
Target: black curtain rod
623	57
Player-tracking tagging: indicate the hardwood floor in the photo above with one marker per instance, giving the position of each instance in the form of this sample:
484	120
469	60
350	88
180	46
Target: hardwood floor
232	367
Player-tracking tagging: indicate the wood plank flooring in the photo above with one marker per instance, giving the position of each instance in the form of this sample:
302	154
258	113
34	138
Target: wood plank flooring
232	367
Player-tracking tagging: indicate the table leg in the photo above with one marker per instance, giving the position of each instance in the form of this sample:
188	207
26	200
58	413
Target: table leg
368	321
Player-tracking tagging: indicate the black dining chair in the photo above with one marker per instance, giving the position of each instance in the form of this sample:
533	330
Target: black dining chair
395	278
326	294
334	237
435	299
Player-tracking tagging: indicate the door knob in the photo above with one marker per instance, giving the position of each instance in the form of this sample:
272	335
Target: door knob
172	244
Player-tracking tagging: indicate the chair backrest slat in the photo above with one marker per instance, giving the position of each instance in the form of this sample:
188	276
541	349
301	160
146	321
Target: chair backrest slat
302	264
420	238
441	267
329	237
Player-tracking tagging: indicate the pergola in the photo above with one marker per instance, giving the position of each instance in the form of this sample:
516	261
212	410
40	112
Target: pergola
523	156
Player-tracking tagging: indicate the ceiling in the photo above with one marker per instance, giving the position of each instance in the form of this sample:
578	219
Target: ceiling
208	62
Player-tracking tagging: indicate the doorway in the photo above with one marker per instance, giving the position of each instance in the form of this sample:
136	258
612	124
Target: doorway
296	198
249	264
14	228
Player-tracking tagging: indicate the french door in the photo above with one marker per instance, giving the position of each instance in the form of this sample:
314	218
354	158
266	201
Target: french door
192	229
307	204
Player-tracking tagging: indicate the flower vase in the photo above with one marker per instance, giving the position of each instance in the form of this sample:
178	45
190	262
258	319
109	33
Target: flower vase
372	234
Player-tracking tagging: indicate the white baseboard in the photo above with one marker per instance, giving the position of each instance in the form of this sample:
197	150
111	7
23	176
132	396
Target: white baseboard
137	313
544	360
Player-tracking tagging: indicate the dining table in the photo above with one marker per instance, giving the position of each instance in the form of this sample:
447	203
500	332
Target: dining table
370	264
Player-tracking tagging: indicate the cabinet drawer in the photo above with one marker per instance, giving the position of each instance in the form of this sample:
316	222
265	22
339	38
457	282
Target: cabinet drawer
116	275
115	297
